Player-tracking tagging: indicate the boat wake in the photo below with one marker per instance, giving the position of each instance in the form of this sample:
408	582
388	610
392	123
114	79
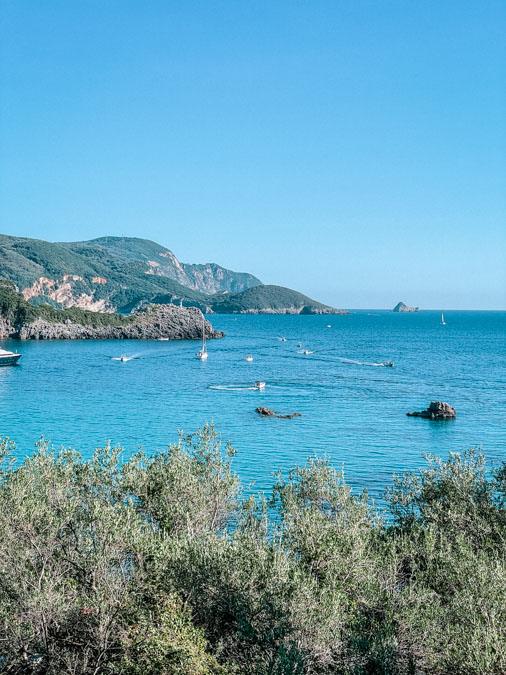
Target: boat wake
231	387
365	363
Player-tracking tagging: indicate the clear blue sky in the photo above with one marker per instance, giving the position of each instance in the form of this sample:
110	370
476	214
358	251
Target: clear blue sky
352	149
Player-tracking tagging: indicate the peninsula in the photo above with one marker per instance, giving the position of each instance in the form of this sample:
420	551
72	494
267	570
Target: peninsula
20	320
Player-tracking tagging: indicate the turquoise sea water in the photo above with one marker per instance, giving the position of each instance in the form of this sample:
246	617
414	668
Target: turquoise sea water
75	394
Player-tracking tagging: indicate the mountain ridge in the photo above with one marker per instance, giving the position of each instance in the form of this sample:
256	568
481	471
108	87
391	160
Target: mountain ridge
118	274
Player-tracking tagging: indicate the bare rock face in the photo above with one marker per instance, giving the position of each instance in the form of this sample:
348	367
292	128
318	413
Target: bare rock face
157	321
437	410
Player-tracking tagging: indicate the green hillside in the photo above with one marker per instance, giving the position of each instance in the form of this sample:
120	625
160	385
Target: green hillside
262	298
116	274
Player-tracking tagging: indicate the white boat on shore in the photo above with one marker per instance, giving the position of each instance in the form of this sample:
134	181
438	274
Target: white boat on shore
8	358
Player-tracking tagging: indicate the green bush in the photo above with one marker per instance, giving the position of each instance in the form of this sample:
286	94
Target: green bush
159	564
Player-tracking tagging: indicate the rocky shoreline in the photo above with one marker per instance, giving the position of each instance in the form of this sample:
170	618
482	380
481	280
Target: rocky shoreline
155	322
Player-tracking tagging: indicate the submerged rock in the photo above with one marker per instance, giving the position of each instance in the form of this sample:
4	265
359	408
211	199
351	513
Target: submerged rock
437	410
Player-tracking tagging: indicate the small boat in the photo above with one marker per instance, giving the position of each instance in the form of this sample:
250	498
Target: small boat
307	351
299	344
8	358
283	339
443	322
249	358
123	358
329	326
259	384
389	364
164	339
202	353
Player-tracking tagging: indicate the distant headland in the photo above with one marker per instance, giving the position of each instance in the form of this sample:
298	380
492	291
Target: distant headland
401	307
124	274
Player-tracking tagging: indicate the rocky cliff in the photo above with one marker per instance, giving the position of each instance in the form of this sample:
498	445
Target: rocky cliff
159	321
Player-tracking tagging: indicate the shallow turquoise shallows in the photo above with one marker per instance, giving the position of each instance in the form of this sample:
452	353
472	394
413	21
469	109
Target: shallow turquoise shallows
77	395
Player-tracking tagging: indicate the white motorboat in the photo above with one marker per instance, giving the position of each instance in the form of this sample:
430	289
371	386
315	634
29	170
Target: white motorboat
307	351
259	384
202	353
443	322
8	358
249	358
123	358
163	339
389	364
283	339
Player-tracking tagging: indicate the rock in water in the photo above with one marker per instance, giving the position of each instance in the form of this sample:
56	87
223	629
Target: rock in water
265	412
401	307
436	411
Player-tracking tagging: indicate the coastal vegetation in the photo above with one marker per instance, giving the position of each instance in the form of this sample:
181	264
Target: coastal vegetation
17	311
118	274
163	563
22	320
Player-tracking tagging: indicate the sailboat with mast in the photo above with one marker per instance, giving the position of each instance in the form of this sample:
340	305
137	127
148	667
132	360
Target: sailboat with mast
202	353
443	322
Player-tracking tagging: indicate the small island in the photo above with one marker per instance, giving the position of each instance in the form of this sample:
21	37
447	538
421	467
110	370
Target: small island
401	307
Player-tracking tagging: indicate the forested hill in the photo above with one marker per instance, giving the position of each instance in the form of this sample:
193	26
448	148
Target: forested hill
118	274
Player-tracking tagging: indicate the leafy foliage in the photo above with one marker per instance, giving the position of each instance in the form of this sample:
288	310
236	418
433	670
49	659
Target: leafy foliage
159	564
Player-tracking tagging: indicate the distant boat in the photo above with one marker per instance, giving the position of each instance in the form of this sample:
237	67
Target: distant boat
283	339
299	344
163	339
249	358
389	364
8	358
443	319
307	351
202	353
123	358
259	384
329	326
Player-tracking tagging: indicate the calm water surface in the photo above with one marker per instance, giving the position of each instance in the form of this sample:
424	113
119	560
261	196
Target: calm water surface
75	394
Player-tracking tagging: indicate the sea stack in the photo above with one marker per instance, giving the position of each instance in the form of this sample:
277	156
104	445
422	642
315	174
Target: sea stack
401	307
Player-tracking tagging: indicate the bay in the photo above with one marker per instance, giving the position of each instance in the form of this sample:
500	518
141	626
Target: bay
354	412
